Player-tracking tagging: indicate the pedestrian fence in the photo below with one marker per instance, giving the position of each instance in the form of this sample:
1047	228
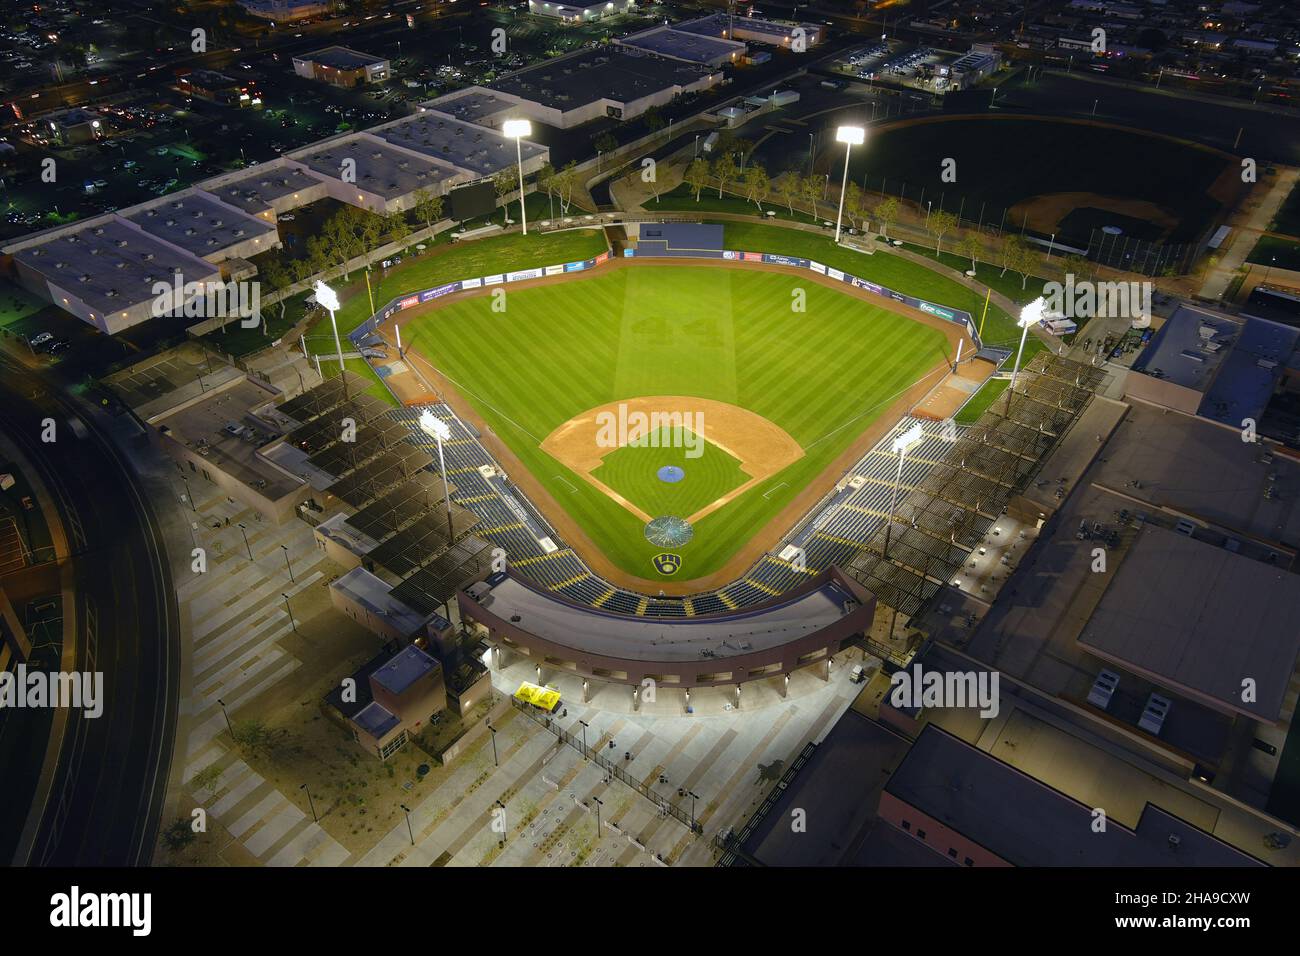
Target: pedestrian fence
611	767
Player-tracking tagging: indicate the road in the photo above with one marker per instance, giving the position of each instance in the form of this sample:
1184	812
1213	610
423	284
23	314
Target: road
105	803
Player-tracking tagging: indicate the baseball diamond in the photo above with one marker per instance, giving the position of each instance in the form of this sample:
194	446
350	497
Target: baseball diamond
765	375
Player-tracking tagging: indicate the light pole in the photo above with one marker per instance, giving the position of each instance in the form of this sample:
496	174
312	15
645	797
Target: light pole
409	831
584	738
517	130
599	803
328	299
292	620
227	716
694	796
850	136
1031	314
244	532
311	803
436	427
287	565
902	444
493	731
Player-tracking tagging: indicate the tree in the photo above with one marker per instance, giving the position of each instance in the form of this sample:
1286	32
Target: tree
853	204
603	144
942	222
887	213
254	737
811	189
757	184
567	180
428	207
697	174
504	182
789	188
1011	249
1079	266
206	778
970	247
724	170
276	276
178	835
654	120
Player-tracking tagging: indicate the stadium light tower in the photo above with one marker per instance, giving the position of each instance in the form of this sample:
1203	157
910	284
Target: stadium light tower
517	130
902	444
439	430
1030	315
850	136
328	299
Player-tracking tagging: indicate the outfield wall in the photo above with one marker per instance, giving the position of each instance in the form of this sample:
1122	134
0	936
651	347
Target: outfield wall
413	299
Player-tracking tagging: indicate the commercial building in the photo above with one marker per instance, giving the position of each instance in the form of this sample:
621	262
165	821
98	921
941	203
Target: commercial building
580	13
218	88
340	66
689	47
592	84
789	36
286	11
405	691
975	810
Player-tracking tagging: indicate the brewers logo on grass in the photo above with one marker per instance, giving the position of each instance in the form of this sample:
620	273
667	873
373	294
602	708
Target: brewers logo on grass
667	563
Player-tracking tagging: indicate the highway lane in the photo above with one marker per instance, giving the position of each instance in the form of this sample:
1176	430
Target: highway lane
105	804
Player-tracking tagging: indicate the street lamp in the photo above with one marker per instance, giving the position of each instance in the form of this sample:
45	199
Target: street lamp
227	716
292	620
1030	315
435	426
517	130
902	444
311	803
328	299
850	136
287	565
492	730
244	532
411	832
584	736
599	803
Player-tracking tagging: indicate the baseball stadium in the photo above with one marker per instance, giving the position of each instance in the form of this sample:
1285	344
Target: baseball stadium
686	457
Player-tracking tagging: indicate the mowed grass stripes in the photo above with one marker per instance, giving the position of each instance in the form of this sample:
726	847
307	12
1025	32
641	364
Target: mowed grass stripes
823	374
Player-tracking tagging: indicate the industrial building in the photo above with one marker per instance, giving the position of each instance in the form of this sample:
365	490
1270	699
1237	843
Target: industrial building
340	66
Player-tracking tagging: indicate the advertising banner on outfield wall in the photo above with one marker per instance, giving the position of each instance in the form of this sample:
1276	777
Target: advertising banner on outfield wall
947	313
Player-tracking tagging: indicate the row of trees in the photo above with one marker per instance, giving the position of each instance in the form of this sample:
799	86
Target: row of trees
792	190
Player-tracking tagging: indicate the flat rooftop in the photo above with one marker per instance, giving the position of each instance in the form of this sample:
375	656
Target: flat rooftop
716	24
1249	375
404	669
380	169
261	186
201	427
111	264
376	720
202	226
1202	617
693	47
635	638
1188	348
1203	470
371	593
473	105
1027	823
594	75
466	146
340	58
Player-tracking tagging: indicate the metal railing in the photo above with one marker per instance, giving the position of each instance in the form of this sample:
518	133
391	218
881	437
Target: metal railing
665	807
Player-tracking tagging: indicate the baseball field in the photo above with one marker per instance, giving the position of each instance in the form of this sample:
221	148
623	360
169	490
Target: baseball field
697	393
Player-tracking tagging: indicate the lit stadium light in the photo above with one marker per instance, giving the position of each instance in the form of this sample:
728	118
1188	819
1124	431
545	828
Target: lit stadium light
909	439
327	297
434	425
517	129
1030	316
850	136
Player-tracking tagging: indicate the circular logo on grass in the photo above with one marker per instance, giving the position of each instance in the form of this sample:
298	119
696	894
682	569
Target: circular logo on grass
669	532
671	474
667	563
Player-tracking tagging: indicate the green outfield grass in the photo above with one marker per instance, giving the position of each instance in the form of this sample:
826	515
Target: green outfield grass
980	402
633	471
558	350
446	261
